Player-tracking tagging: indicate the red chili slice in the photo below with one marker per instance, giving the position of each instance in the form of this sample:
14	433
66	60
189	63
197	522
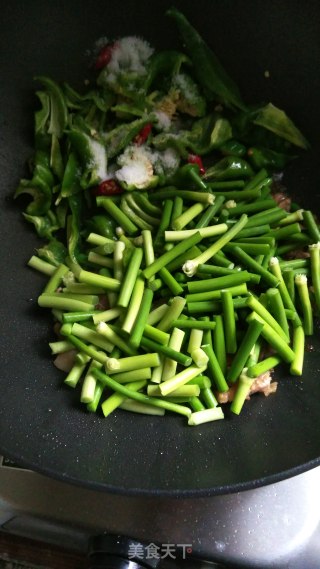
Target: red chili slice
195	159
104	56
107	188
142	136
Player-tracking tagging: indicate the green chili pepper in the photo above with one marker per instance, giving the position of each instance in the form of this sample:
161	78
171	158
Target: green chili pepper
196	141
103	225
54	252
164	64
44	225
42	138
42	115
61	213
180	142
40	186
228	168
41	167
71	178
41	193
118	138
261	157
251	134
150	184
73	227
58	109
209	132
41	158
276	120
126	82
209	71
93	156
73	99
56	160
233	147
187	176
103	100
189	99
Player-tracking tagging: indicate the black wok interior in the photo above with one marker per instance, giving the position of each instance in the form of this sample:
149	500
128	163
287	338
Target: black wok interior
42	425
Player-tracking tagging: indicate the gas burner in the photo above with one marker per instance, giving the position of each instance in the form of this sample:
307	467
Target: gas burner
272	526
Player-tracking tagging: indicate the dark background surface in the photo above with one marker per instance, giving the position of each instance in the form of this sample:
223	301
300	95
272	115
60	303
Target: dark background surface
41	423
22	553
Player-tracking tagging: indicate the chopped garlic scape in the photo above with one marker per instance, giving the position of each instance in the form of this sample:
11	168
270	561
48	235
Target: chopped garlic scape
314	246
190	268
205	416
274	261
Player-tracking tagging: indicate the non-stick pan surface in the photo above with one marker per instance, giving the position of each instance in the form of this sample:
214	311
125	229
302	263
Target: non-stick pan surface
41	423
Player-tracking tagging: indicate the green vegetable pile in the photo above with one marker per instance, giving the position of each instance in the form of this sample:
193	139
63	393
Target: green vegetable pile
174	274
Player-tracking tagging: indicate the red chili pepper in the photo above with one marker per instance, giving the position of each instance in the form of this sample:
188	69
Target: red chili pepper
104	56
143	134
195	159
107	188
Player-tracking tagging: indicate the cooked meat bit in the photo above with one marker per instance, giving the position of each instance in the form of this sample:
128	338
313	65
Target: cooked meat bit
297	254
282	200
103	303
65	361
56	328
262	384
227	395
279	194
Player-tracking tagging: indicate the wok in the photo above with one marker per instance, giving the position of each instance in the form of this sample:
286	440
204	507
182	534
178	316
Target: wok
41	423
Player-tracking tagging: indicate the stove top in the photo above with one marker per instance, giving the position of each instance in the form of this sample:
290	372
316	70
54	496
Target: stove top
272	526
